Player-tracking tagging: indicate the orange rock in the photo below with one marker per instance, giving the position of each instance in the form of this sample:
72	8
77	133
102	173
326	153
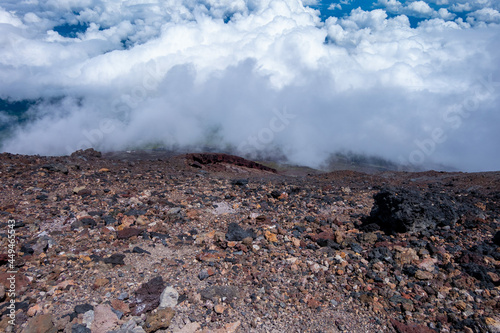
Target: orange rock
313	303
205	256
219	308
34	310
270	236
120	306
192	214
127	221
283	196
100	283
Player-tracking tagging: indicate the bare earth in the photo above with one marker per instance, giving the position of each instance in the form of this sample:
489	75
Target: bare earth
247	248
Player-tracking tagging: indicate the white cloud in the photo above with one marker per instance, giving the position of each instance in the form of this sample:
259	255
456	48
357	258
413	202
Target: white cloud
487	15
334	6
445	14
420	8
390	5
9	18
181	73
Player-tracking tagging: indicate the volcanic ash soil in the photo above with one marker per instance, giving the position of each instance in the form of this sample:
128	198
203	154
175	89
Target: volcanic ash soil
141	242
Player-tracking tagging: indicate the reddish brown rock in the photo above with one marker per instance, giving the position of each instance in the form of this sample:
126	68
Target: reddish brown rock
104	319
41	324
127	233
410	328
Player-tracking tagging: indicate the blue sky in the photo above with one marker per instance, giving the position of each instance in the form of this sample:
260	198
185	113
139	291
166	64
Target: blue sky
415	82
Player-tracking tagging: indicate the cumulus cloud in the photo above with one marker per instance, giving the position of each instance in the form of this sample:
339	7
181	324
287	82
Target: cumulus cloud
487	15
420	8
253	76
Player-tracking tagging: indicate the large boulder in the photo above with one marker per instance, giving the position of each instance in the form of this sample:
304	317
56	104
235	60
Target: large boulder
399	210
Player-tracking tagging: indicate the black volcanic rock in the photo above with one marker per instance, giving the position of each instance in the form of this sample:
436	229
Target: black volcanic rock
496	239
237	233
399	210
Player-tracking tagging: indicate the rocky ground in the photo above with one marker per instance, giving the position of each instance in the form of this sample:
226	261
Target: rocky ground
153	242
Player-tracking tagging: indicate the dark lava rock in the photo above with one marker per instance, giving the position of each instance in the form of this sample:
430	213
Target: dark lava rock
56	167
87	154
139	250
237	233
42	197
496	238
79	328
275	194
380	253
27	248
126	233
216	158
410	328
115	259
82	308
76	225
147	297
87	221
216	293
480	273
109	220
239	182
399	210
135	212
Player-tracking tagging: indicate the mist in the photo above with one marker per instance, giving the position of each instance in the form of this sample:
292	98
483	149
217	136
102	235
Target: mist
255	77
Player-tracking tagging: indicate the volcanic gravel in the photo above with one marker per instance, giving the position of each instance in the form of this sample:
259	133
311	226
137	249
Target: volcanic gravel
144	242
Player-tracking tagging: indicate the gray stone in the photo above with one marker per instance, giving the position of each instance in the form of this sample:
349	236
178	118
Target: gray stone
168	298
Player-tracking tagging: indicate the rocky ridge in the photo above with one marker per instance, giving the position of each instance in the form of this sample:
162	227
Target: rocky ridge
216	243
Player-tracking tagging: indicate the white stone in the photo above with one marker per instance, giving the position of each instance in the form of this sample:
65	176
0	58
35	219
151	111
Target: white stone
168	298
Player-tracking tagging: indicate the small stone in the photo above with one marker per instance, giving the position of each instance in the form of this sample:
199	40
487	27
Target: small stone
115	259
104	319
148	296
34	310
100	282
313	303
79	328
230	328
237	233
77	189
158	320
82	308
461	305
424	275
410	328
88	318
427	264
493	324
2	292
270	236
189	328
495	278
41	324
248	241
219	308
168	298
120	306
205	273
126	233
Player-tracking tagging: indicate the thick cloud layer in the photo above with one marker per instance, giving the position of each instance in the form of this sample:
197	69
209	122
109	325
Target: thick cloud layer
257	77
